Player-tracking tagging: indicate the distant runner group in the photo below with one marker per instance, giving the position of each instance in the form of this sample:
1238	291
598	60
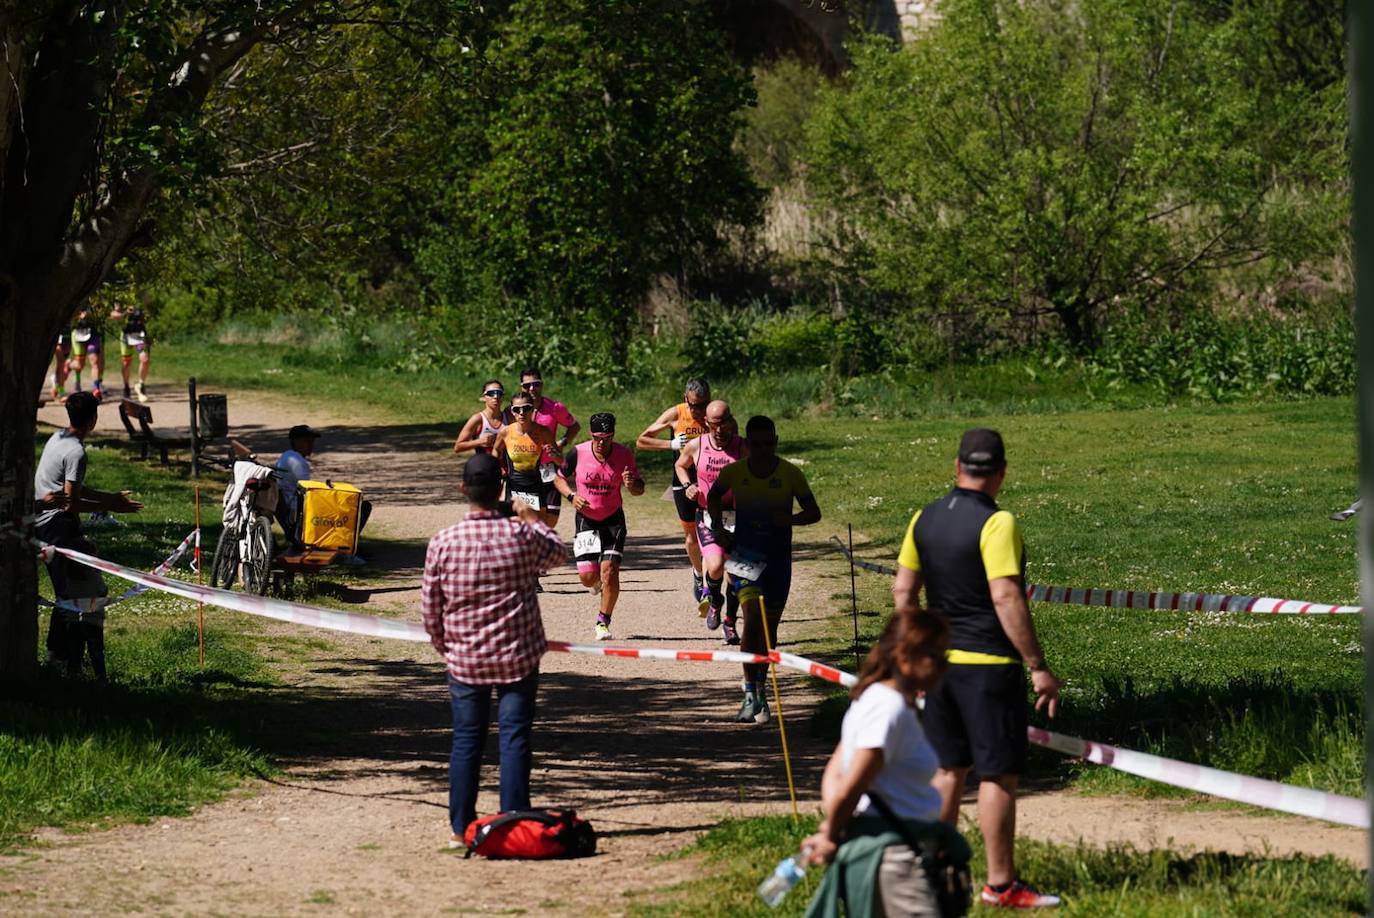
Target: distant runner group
737	502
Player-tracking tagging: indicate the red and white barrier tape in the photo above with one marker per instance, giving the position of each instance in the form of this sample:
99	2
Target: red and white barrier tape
1273	795
85	606
1145	599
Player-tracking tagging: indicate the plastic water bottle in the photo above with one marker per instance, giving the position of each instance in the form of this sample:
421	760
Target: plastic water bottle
779	883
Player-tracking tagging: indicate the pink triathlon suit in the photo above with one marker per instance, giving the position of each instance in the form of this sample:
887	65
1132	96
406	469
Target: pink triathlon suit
710	460
550	415
599	527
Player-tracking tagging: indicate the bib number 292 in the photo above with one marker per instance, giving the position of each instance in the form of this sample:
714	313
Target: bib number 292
750	569
526	497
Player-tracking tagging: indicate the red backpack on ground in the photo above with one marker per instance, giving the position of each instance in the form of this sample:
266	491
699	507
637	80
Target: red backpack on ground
531	834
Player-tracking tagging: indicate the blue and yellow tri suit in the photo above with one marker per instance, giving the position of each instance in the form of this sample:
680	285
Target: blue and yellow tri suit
758	503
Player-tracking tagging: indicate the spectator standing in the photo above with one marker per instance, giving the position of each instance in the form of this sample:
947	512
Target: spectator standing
968	555
479	607
61	496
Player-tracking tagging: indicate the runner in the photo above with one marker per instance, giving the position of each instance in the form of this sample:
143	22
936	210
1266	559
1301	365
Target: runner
479	433
764	488
134	340
550	414
591	480
524	448
87	340
61	354
683	422
707	456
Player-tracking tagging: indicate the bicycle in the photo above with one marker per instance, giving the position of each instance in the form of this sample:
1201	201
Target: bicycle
245	543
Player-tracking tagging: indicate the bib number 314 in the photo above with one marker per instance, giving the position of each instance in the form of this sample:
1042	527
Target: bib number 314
586	543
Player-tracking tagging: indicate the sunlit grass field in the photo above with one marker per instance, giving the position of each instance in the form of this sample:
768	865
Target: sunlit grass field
1125	495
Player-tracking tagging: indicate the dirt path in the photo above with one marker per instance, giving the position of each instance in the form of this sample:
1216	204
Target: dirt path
646	750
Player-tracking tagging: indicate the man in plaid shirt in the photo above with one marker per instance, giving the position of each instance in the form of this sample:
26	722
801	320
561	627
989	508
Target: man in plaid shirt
479	606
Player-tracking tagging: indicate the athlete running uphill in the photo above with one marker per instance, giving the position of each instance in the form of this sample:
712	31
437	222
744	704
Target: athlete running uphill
683	422
522	447
765	489
707	456
591	480
479	433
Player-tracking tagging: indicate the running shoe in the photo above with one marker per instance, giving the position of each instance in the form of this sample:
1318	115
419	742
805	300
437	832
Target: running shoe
747	709
127	393
728	632
603	632
698	587
713	618
762	715
140	394
1018	895
703	605
456	841
595	588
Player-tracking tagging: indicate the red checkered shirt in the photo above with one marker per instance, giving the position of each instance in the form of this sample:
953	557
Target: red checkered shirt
478	598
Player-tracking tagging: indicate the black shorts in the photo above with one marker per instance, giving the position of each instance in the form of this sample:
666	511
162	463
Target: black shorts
686	507
595	541
976	717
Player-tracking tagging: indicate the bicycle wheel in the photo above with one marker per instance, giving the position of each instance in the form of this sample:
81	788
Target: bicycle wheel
257	565
226	563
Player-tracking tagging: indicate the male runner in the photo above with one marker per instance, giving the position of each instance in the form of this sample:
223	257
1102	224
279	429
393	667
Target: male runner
134	340
523	446
87	340
765	488
479	433
591	480
707	456
550	414
683	422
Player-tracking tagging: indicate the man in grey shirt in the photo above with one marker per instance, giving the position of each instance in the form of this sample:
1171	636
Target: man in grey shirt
60	497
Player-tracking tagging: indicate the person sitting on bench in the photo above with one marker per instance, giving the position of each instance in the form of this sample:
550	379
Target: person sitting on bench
293	467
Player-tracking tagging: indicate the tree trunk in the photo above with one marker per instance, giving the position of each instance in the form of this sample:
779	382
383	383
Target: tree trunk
20	382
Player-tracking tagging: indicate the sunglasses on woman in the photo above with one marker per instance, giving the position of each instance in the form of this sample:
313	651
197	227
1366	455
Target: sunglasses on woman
494	393
521	409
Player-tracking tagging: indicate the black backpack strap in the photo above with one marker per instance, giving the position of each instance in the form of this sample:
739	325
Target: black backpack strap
898	826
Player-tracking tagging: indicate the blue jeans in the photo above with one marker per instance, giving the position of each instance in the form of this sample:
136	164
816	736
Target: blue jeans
471	706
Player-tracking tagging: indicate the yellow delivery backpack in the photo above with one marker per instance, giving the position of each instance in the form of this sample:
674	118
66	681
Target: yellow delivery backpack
329	515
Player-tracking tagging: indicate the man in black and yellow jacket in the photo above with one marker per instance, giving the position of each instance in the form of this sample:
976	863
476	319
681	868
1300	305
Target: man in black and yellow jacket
969	557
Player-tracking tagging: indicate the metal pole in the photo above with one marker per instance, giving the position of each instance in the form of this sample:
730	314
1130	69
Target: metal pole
1360	40
854	599
195	428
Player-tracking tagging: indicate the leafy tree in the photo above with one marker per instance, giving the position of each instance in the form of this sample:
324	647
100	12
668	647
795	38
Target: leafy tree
100	113
608	159
1058	157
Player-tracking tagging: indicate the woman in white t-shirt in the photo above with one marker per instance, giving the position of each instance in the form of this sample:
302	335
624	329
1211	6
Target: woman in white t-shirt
883	750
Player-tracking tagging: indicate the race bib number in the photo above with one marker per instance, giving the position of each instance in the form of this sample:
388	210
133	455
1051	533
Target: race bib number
750	569
135	339
547	472
727	520
587	542
526	497
82	335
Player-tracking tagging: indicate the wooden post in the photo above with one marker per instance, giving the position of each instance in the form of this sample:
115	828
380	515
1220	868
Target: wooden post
854	599
200	579
195	428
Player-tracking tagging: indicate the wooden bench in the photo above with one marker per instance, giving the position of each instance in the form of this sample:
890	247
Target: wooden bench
144	436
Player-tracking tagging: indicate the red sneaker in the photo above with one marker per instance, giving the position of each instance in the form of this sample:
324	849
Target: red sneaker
1018	895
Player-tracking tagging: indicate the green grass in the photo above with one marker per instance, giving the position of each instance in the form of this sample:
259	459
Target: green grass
164	735
1119	880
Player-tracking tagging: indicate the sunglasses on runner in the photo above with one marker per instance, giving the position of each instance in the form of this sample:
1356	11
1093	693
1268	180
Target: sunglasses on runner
532	384
494	393
602	436
521	409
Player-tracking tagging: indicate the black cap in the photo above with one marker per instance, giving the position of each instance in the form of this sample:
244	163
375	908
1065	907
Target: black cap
981	451
301	431
482	469
602	422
